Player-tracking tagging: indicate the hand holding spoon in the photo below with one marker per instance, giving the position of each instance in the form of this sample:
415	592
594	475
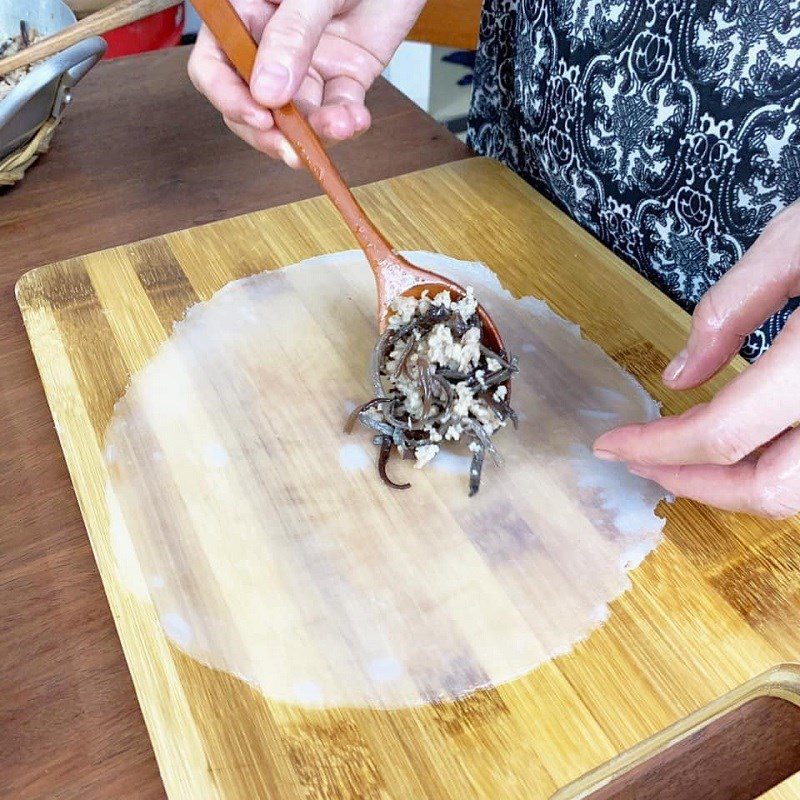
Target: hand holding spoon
394	275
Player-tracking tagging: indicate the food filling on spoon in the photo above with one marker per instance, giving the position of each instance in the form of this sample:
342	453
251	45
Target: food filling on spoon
436	382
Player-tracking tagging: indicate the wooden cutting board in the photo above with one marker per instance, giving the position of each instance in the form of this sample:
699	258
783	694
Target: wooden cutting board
715	607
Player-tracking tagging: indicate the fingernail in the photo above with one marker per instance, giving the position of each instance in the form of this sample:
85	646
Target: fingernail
289	155
260	120
270	82
605	455
640	470
675	367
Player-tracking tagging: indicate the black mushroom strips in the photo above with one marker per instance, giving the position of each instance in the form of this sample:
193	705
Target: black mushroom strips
436	382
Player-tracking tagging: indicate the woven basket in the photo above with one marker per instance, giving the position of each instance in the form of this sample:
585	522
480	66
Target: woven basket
13	166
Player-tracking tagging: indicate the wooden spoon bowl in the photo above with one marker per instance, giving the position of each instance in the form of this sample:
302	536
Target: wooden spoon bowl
394	275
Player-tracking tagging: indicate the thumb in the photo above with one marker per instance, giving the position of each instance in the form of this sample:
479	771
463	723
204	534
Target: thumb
286	49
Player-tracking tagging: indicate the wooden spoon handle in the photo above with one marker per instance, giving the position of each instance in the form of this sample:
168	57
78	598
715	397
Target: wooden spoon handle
234	38
123	12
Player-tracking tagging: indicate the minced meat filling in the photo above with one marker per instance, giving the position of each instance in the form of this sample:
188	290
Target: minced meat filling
436	382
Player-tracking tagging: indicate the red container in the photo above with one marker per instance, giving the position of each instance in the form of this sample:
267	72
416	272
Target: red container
151	33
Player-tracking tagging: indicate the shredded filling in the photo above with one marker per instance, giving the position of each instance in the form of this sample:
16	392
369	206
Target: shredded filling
10	47
436	382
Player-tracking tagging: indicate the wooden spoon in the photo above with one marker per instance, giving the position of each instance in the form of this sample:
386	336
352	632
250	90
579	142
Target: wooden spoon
394	275
114	16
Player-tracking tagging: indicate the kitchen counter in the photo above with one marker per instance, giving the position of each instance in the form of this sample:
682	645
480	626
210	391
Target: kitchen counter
139	154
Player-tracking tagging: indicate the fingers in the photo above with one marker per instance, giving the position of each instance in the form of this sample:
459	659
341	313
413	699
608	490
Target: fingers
309	95
333	101
271	143
757	286
343	113
675	440
335	123
757	406
336	55
213	77
287	47
768	485
348	72
308	99
761	402
707	483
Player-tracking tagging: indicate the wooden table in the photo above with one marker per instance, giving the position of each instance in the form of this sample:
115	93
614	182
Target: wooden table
139	154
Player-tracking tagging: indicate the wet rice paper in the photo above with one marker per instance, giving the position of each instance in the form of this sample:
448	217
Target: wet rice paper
260	533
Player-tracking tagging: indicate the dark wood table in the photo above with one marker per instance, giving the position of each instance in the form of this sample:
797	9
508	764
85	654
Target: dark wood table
139	154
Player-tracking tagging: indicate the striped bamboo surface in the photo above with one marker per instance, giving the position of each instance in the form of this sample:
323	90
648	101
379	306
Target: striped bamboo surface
717	604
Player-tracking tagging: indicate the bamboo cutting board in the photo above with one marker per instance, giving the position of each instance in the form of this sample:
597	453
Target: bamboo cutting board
713	608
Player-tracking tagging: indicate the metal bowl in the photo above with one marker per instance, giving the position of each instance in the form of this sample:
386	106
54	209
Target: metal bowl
45	90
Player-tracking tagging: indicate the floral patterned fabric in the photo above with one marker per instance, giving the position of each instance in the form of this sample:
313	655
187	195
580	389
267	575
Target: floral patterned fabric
669	129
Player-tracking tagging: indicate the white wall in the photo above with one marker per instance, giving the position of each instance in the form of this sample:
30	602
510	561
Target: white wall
192	20
410	72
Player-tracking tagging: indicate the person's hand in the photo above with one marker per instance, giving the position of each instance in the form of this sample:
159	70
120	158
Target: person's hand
323	54
739	451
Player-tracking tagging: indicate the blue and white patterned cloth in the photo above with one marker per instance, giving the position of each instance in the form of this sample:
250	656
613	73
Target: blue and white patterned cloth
670	129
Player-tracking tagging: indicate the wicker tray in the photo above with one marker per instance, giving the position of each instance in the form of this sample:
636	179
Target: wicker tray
31	111
13	166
